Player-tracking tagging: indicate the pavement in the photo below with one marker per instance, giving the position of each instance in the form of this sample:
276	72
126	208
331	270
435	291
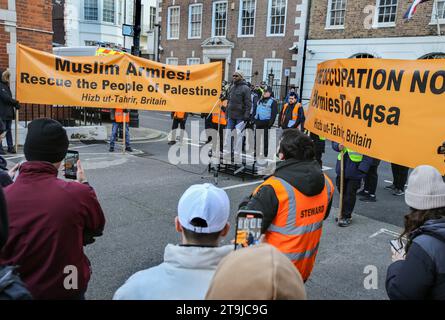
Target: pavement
139	193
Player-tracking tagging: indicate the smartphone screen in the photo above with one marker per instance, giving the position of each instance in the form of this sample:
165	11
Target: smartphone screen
397	245
248	228
71	164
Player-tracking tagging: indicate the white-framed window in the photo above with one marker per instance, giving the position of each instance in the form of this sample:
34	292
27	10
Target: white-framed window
274	66
109	11
276	18
171	61
152	21
336	14
246	23
91	10
245	65
438	12
219	19
192	61
195	21
173	23
386	13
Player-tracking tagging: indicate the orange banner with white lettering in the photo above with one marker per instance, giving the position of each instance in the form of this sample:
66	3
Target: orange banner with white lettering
115	81
393	110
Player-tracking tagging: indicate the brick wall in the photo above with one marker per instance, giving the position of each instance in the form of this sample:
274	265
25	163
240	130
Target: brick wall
257	48
35	14
355	17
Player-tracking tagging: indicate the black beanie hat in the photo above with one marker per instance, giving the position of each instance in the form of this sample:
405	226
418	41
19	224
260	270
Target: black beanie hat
46	141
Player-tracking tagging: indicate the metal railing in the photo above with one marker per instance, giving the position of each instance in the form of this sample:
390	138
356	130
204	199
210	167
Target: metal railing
67	116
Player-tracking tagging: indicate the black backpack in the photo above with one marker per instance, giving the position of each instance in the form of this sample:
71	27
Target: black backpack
11	287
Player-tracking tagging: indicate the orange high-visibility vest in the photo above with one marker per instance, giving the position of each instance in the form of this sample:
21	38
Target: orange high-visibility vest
294	112
296	229
179	115
119	116
217	118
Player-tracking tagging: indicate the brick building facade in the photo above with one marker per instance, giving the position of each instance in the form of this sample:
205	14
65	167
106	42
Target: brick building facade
26	22
264	36
372	29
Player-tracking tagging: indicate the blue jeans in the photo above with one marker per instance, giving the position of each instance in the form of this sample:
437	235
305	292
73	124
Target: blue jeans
114	130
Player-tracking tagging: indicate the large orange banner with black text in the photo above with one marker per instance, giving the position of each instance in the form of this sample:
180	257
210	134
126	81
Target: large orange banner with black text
393	110
115	81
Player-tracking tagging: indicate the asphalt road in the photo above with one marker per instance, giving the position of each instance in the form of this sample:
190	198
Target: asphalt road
139	194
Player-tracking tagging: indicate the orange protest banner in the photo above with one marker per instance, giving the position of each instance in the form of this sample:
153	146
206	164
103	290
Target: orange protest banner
393	110
115	81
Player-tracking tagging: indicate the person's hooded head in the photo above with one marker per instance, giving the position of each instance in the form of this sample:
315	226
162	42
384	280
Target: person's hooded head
256	273
46	140
3	220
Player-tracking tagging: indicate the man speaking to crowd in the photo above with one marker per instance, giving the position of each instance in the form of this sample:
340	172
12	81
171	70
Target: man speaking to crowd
238	108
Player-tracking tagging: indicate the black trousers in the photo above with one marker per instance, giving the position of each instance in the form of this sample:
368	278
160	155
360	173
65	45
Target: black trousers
400	176
213	137
371	180
318	155
350	188
8	125
178	123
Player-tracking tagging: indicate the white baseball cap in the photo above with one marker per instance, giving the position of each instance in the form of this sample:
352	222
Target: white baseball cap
207	202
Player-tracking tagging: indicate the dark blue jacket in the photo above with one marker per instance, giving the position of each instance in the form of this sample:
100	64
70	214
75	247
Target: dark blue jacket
353	170
422	274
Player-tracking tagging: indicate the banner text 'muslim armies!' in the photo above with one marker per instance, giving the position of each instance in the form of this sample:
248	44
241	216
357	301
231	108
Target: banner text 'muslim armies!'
101	68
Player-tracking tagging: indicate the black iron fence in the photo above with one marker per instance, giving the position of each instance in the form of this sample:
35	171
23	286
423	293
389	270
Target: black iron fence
67	116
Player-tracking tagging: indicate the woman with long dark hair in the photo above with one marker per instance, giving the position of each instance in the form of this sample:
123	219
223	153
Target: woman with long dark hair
418	271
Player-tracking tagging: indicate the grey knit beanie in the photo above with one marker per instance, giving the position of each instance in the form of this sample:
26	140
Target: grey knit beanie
426	189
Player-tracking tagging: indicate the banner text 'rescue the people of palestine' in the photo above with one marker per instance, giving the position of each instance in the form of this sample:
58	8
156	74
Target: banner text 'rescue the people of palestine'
117	81
393	110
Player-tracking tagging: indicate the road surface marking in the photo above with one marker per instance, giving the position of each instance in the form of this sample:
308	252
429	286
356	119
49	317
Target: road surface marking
242	185
388	181
385	231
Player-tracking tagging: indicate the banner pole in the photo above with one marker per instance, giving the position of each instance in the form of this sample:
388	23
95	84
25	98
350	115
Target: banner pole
123	132
214	106
342	178
16	130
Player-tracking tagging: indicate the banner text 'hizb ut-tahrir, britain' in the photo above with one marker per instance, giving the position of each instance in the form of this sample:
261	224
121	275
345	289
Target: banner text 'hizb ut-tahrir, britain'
392	110
117	81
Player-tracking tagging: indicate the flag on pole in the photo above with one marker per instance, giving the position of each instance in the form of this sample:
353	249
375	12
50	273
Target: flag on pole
412	9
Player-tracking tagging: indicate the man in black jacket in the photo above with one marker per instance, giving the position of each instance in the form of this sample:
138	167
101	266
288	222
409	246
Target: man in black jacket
8	105
238	108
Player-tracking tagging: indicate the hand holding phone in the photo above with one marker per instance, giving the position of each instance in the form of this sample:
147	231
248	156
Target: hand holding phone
248	228
398	250
71	162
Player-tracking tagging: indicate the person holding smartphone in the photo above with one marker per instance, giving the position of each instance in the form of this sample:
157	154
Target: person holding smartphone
59	217
418	270
294	201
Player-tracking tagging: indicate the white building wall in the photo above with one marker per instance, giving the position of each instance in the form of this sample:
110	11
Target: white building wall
409	48
78	30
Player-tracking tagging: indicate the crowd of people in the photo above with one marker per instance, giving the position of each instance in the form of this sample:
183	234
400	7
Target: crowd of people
42	237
